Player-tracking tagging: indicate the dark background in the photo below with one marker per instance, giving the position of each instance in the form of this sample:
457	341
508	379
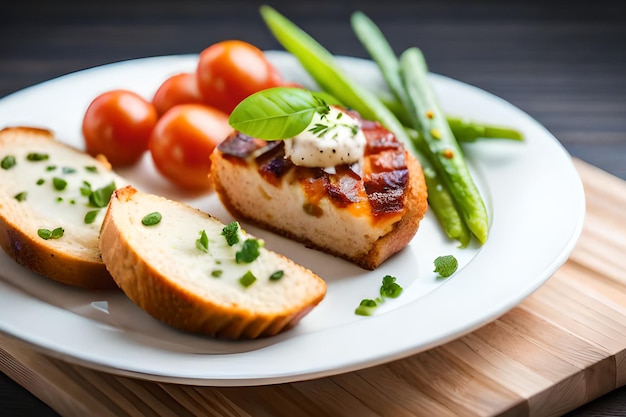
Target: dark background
564	63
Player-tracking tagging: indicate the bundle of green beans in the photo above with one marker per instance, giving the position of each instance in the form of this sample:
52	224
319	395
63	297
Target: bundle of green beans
452	193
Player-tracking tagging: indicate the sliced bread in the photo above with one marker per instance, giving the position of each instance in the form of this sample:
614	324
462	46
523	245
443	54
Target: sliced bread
176	263
52	201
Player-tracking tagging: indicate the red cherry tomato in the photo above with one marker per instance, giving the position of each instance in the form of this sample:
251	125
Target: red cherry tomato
179	88
183	140
230	71
118	124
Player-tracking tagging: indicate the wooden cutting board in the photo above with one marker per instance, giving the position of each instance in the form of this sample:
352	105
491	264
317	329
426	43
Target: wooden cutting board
562	347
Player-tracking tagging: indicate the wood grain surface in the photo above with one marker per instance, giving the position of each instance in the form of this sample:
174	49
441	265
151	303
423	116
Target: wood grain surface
562	347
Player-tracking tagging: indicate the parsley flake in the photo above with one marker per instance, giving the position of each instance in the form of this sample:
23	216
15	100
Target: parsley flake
151	219
90	216
230	233
99	198
20	196
366	307
36	156
277	275
8	162
50	234
445	265
247	279
390	289
59	183
249	251
203	242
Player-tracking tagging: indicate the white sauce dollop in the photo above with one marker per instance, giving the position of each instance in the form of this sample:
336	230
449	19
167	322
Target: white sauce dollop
332	139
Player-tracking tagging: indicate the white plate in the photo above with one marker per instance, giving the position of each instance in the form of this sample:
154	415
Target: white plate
534	196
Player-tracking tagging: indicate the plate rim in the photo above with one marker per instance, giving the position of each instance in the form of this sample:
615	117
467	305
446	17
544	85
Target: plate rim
359	362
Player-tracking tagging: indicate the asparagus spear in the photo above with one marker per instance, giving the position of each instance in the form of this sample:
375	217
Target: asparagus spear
321	65
442	204
444	150
464	129
446	194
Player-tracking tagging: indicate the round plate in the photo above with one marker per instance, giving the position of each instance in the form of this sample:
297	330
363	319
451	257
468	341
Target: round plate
532	190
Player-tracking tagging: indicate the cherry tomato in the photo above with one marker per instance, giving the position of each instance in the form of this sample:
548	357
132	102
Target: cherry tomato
179	88
118	124
230	71
183	140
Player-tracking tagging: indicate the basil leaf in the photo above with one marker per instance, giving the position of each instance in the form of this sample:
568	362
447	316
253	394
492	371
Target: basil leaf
276	113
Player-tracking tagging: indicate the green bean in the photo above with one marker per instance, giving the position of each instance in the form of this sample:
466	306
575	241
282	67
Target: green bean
321	65
442	205
443	149
440	199
381	52
466	130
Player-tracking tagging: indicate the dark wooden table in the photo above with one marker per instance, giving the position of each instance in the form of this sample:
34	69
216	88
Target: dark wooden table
564	63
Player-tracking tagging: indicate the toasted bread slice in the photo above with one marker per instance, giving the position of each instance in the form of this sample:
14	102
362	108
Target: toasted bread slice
167	271
364	214
44	187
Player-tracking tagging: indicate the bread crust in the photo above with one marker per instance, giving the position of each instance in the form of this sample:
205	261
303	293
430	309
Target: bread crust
237	182
19	239
170	300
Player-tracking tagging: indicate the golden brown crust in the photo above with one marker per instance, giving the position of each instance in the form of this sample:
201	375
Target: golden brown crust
44	259
166	299
43	256
415	206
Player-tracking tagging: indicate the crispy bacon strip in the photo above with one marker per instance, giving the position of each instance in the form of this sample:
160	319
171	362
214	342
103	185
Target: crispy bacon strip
383	182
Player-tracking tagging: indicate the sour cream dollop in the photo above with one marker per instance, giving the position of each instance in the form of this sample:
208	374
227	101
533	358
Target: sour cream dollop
330	139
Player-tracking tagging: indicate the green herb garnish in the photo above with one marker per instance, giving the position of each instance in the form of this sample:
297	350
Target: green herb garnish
85	189
90	216
216	273
8	162
249	251
230	233
247	279
203	242
51	168
277	113
100	197
390	289
50	234
366	307
277	275
40	181
322	129
151	219
445	265
20	196
59	183
36	156
68	170
91	168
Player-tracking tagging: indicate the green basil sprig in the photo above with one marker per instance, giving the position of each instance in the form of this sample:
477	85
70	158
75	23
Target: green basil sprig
277	113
